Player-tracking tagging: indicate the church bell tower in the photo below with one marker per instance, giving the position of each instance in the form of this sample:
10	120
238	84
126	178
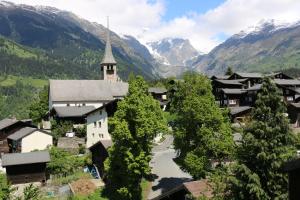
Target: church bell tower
108	63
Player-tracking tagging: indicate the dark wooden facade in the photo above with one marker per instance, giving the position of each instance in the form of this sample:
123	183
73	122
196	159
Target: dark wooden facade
28	173
293	170
5	132
251	80
99	154
218	85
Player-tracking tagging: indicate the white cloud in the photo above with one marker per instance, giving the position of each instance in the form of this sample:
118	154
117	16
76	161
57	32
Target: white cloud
144	18
227	19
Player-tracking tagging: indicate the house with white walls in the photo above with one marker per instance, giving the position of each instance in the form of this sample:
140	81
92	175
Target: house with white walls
29	139
97	123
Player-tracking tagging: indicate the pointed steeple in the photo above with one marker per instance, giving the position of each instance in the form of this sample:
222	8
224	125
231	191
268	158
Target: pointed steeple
108	55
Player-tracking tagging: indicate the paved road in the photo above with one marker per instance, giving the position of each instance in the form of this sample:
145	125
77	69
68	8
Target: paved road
168	174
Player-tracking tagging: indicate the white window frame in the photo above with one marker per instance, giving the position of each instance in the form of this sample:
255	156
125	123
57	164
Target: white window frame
232	102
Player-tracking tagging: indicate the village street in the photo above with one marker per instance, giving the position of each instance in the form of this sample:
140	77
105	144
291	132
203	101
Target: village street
167	173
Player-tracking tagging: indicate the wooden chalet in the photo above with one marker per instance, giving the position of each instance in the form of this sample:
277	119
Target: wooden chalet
8	127
219	84
252	78
232	97
159	94
26	167
239	114
99	154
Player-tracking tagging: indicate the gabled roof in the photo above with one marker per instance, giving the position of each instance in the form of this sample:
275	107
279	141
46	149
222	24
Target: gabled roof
254	88
218	77
231	82
157	90
287	82
25	158
23	132
105	143
240	109
195	188
72	111
233	91
247	75
86	90
7	122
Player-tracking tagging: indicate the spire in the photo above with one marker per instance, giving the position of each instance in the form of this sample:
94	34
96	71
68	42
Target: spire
108	55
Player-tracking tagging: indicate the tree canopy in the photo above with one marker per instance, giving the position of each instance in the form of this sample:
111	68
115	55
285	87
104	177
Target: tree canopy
136	122
202	132
267	144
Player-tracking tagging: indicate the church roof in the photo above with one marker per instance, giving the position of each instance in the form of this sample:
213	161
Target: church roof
86	90
108	55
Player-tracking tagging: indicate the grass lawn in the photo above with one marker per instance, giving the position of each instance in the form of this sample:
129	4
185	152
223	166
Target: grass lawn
11	80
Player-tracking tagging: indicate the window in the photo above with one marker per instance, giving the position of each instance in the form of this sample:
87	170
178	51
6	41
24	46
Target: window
290	98
250	99
95	124
100	112
99	124
287	92
232	102
93	134
68	104
83	104
101	135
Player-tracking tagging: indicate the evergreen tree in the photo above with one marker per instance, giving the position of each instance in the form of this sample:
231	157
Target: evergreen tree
135	124
202	132
229	71
267	144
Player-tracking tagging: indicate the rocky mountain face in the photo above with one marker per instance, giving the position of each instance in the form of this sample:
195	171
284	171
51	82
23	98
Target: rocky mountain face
266	48
64	35
173	55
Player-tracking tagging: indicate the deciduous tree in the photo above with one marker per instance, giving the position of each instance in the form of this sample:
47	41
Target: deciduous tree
202	133
135	124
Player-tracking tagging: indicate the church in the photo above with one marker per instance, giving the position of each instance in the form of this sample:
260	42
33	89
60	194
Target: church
83	99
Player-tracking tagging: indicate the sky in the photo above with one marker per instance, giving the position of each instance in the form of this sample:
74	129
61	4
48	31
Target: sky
206	23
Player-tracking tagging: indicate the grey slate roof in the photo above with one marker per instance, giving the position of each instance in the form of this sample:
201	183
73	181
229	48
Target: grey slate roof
296	105
106	144
291	82
7	122
86	90
25	158
108	55
231	82
254	87
23	132
233	91
219	77
157	90
236	110
249	75
73	111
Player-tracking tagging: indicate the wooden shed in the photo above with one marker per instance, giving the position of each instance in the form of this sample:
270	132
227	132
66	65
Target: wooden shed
99	154
26	167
